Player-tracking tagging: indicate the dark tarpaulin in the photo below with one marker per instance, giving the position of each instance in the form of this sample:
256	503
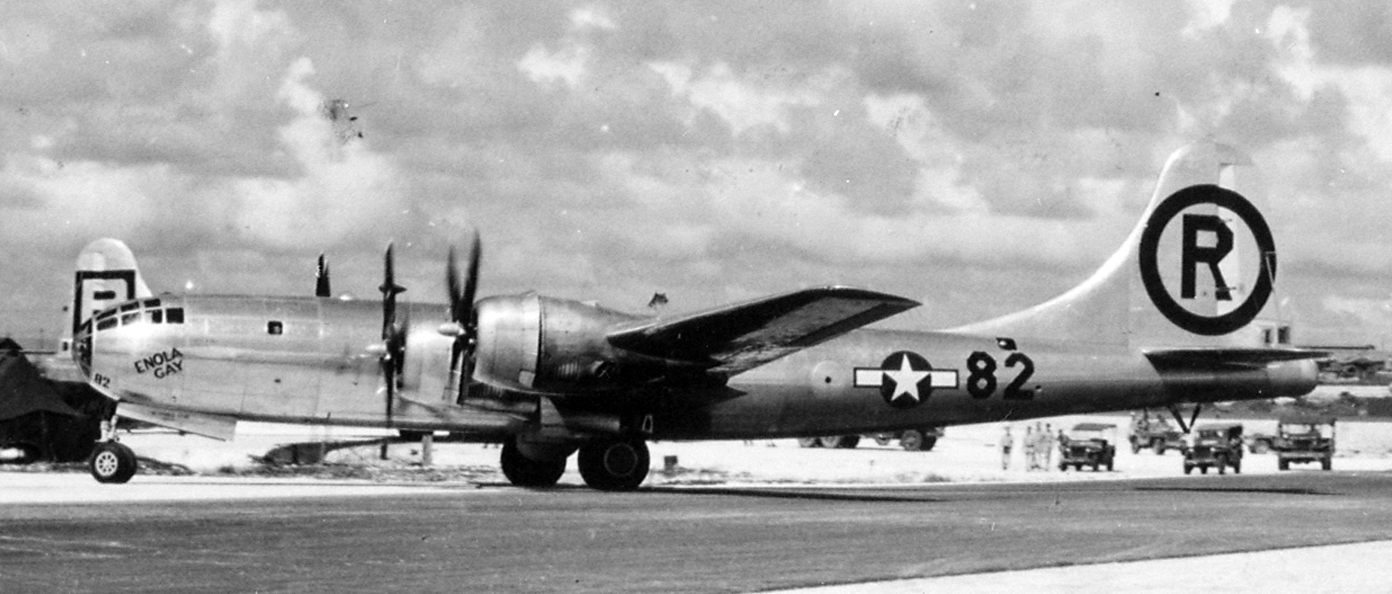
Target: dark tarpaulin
22	389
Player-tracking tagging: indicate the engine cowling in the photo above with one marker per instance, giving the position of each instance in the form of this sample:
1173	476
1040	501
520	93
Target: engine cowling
545	345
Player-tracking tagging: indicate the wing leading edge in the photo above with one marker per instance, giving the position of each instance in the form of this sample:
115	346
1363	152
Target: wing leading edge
736	338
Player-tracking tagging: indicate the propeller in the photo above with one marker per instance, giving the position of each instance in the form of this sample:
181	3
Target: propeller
463	318
321	278
393	333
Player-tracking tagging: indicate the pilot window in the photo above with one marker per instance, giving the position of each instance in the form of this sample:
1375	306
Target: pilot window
151	303
275	328
107	323
130	318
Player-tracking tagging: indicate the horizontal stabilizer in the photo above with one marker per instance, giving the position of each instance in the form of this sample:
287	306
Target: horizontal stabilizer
739	337
1219	358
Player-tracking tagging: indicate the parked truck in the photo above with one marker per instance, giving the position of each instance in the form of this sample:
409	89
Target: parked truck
1302	439
1088	444
1215	445
1155	432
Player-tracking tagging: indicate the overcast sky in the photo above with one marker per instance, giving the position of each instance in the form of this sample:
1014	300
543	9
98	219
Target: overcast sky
980	157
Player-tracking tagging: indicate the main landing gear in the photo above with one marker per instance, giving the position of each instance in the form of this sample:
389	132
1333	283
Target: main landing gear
607	463
111	462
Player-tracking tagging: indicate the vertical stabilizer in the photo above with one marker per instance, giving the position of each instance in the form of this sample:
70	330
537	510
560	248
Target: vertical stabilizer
1196	271
106	275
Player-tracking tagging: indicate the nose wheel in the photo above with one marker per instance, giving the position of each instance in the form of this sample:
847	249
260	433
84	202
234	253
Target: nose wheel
112	462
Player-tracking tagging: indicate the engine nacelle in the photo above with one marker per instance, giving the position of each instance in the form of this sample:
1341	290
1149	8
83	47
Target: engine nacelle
541	344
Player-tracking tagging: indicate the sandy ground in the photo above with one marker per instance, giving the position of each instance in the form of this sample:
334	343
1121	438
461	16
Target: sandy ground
967	453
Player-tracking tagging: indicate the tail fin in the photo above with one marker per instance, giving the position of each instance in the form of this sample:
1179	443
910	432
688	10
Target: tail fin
106	275
1197	270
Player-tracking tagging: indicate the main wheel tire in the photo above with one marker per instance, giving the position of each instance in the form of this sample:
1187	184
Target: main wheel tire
928	443
883	439
1283	464
809	442
526	472
911	440
112	462
1188	468
614	464
1203	470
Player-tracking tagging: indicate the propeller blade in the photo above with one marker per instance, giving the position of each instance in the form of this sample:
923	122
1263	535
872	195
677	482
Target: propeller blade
389	290
462	293
393	334
321	278
471	281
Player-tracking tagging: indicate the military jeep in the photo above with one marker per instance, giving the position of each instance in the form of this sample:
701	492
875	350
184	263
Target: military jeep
1088	444
1155	432
1303	439
1214	445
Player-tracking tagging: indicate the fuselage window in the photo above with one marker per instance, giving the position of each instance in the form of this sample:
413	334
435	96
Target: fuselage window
107	323
275	328
174	315
130	318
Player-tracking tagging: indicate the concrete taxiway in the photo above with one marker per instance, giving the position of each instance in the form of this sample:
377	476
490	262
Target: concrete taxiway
435	538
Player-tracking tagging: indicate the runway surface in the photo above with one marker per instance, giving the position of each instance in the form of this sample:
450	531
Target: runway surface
497	538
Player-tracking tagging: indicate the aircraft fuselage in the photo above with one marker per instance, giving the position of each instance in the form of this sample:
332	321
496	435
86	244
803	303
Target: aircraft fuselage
315	360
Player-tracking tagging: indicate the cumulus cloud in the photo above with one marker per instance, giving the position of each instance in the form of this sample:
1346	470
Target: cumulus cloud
343	188
708	151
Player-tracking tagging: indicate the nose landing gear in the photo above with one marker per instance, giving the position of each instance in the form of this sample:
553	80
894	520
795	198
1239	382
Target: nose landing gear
111	462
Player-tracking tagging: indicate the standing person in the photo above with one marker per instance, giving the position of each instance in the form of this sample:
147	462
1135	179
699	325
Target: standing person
1006	443
1029	448
1050	443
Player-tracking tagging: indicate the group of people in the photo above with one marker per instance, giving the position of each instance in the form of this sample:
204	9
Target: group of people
1039	444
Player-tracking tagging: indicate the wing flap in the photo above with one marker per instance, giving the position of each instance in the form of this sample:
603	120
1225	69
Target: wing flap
739	337
1214	359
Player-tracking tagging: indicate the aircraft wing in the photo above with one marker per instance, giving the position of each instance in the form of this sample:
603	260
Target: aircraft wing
739	337
1212	359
